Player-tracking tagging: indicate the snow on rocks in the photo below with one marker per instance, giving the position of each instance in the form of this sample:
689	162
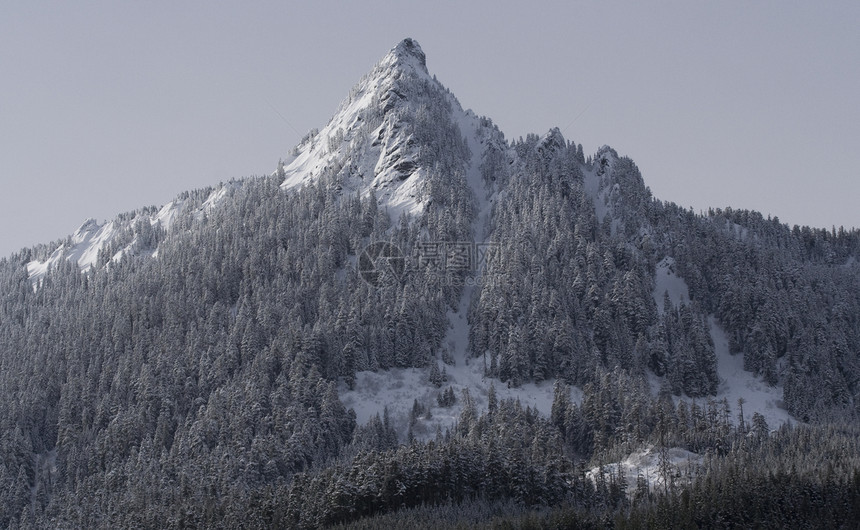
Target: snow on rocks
84	246
386	164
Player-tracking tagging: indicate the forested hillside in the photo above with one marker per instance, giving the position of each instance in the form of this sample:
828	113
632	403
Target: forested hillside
193	374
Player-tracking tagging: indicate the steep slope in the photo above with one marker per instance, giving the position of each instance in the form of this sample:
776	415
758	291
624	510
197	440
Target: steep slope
378	138
95	244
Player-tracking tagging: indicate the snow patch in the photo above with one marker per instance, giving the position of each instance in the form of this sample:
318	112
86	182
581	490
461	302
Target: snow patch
167	214
82	248
666	281
397	389
592	188
740	233
215	199
658	467
596	182
470	128
736	383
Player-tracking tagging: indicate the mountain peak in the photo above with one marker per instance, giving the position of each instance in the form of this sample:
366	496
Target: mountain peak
375	139
391	135
407	53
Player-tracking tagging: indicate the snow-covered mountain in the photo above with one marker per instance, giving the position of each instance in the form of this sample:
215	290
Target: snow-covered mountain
398	138
388	134
374	143
96	244
228	345
370	142
381	139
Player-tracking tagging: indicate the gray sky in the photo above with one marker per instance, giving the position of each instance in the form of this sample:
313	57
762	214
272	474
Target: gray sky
109	106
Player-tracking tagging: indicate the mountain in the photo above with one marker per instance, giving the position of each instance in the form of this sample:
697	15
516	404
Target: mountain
95	245
374	140
415	316
398	133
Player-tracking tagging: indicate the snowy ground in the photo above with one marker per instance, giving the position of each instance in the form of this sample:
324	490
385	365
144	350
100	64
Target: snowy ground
666	281
398	388
591	185
735	382
681	467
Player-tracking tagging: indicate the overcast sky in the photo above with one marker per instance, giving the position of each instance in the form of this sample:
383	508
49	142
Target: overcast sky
109	106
